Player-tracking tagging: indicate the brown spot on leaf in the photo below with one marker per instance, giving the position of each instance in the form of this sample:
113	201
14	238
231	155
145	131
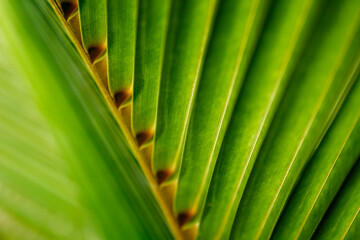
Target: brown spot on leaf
68	8
185	217
163	175
121	97
95	52
144	137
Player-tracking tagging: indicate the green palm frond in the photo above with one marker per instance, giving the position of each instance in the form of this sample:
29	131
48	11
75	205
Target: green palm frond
346	207
92	144
336	155
179	119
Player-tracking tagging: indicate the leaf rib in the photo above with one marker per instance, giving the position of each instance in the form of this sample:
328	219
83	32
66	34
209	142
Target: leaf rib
341	220
351	223
279	82
201	189
326	178
287	164
178	85
158	194
314	114
341	160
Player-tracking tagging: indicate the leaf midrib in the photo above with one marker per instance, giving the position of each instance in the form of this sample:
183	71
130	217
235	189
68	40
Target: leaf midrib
128	136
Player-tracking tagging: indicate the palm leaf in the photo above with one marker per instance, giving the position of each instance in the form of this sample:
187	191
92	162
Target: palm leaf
184	58
205	119
331	163
255	109
324	78
150	48
217	93
121	25
346	207
85	130
93	27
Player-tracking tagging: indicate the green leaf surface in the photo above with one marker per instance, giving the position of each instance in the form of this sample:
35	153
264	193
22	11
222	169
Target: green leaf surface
342	220
151	39
316	91
121	44
326	172
190	28
237	28
273	62
248	112
36	191
107	180
93	26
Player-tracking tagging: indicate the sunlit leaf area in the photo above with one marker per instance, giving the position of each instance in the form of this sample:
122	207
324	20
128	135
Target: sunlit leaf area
179	119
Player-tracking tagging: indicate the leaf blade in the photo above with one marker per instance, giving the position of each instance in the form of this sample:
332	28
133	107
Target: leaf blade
331	164
235	34
151	36
258	100
184	56
347	207
316	110
121	41
93	27
86	130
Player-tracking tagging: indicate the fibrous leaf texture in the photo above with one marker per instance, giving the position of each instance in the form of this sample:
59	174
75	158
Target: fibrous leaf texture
179	119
